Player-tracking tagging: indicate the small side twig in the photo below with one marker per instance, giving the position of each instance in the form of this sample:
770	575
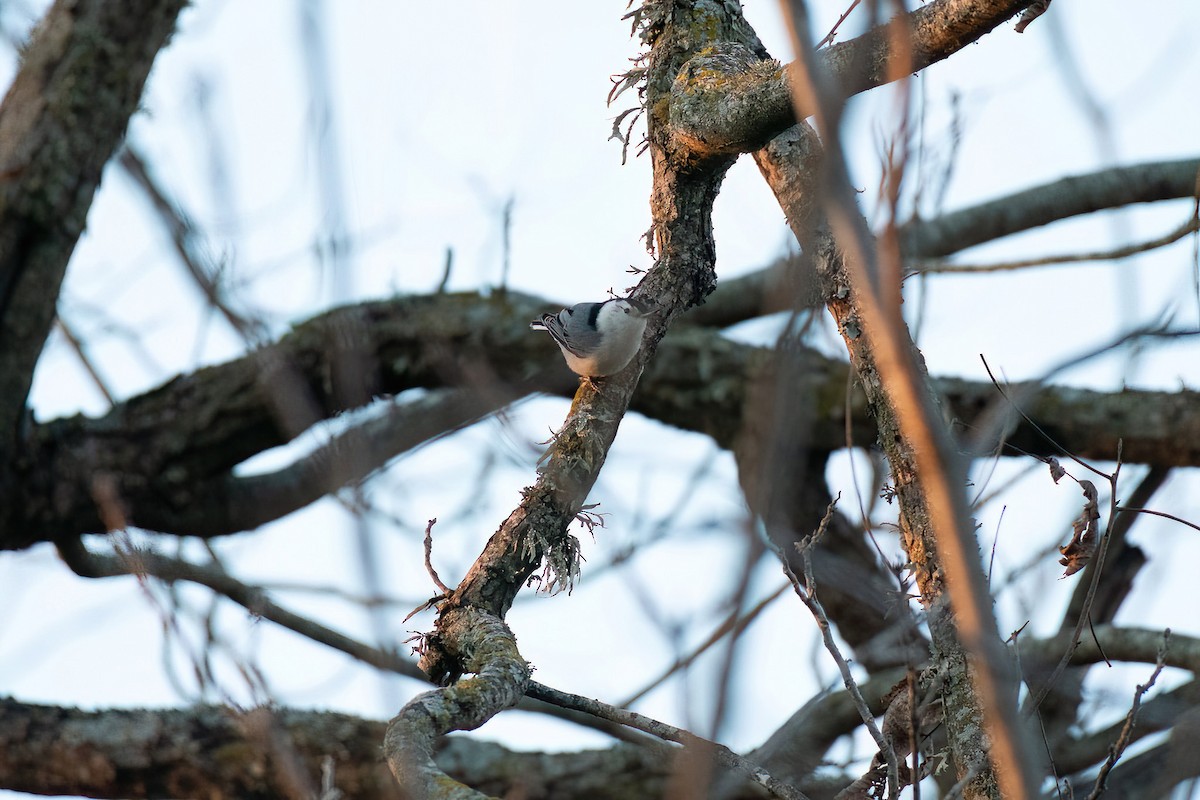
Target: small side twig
80	353
1118	747
833	31
1038	428
809	598
428	562
1163	514
1014	639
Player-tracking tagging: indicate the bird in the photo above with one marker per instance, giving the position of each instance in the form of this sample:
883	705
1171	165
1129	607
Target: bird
597	339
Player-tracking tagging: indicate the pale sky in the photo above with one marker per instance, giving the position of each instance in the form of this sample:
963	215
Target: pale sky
440	113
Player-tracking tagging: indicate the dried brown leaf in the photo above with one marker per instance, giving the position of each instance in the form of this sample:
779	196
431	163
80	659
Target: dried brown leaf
1085	533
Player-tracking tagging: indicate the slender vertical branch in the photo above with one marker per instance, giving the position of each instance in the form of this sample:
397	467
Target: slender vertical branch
935	506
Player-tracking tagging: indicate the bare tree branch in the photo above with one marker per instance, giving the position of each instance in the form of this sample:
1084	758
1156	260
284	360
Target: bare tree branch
1126	735
1051	202
721	104
791	282
181	752
163	450
934	515
178	752
723	755
80	80
537	529
483	645
1112	254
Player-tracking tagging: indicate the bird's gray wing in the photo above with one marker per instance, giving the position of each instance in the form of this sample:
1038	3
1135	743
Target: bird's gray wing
574	328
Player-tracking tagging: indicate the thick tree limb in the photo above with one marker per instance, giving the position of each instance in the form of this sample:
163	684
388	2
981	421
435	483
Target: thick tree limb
80	80
1067	197
790	282
204	751
719	107
485	646
186	752
182	441
1118	643
186	437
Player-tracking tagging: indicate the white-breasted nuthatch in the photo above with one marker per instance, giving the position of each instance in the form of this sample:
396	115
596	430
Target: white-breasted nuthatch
597	339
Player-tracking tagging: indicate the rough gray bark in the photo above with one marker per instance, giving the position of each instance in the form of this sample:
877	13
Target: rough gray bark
182	440
717	110
484	646
60	122
681	206
708	96
186	752
203	751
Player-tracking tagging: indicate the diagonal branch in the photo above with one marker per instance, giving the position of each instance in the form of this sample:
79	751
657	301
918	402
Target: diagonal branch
723	755
80	80
790	281
720	108
1040	205
485	646
684	274
927	472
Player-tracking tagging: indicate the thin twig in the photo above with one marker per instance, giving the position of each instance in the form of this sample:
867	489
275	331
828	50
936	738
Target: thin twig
1037	427
1115	254
428	558
809	598
1118	747
1163	514
1096	641
833	31
733	624
723	755
170	570
1015	637
77	346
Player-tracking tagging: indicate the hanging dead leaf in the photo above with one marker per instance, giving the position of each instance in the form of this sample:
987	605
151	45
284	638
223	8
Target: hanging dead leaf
1085	533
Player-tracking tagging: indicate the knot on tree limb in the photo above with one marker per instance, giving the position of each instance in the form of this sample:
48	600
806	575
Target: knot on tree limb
466	640
728	99
483	645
